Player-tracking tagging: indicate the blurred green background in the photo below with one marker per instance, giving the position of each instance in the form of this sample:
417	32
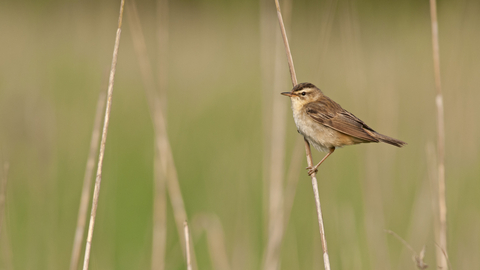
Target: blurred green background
373	57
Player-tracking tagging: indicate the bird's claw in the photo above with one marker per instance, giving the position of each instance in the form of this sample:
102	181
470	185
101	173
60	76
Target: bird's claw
311	171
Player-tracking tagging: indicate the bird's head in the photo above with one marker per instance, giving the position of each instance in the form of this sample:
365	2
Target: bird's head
304	93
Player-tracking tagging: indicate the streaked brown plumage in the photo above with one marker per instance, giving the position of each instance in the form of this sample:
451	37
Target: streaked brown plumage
326	125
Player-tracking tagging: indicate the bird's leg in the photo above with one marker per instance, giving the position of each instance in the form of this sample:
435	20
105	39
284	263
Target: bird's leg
314	169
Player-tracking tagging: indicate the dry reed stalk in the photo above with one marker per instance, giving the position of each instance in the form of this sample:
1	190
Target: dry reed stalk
187	244
432	175
326	260
160	127
445	255
87	182
287	47
442	205
215	239
98	179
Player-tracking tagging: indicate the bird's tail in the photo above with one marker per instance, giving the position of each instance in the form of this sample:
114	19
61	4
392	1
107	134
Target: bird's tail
390	140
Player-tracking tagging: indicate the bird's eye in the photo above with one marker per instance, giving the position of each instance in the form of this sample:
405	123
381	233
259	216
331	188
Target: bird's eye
303	93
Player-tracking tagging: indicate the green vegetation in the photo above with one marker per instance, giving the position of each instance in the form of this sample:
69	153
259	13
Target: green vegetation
376	61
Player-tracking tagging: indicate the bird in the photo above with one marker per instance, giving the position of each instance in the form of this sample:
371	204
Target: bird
326	125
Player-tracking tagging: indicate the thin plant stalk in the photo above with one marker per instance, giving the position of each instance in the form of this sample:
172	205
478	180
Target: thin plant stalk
98	180
87	182
187	244
326	260
287	46
160	127
442	205
446	256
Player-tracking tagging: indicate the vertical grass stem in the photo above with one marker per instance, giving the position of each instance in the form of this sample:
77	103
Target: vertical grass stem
187	245
87	181
326	260
442	205
98	179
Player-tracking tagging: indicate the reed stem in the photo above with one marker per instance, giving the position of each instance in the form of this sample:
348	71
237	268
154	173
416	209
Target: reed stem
87	182
98	180
187	245
326	260
442	205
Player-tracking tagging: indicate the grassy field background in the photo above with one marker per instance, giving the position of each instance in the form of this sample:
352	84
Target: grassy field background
372	57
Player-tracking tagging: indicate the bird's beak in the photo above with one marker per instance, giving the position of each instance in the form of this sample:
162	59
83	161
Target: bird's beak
288	94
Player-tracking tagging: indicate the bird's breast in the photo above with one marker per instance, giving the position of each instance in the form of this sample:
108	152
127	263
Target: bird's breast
323	138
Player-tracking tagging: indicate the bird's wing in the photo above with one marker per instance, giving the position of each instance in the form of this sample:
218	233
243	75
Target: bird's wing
328	113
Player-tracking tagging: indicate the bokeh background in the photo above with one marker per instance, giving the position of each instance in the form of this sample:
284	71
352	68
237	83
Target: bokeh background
373	57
